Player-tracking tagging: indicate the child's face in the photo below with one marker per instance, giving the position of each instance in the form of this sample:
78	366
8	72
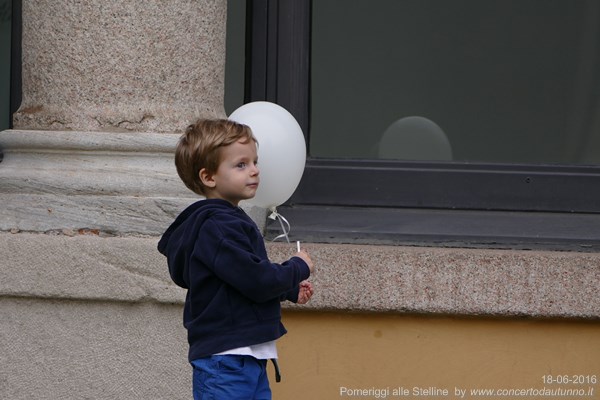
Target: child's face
237	176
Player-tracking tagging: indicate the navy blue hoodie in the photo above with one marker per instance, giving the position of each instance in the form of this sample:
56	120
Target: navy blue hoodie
216	252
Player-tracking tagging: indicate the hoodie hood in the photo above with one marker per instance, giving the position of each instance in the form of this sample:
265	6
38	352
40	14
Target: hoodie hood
179	239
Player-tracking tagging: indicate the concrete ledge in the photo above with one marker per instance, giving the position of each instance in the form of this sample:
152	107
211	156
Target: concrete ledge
453	281
85	267
106	215
354	278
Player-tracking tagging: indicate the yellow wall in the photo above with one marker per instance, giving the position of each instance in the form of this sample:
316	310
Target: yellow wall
324	352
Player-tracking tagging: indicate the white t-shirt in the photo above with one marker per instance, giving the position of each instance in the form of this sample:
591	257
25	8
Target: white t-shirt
261	351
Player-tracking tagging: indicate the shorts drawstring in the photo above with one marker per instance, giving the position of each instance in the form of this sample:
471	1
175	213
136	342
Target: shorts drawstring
277	373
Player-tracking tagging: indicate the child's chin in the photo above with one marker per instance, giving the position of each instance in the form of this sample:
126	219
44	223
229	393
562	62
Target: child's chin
249	196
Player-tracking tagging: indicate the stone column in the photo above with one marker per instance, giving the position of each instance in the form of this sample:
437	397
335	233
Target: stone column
130	65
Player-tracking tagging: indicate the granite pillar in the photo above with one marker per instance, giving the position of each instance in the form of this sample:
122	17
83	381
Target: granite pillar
131	65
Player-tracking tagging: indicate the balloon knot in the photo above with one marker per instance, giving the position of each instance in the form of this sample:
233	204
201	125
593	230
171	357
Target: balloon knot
285	225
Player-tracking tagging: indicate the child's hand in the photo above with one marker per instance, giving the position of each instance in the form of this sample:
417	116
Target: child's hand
303	254
305	293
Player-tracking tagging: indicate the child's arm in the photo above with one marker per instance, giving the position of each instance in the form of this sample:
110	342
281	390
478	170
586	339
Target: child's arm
233	252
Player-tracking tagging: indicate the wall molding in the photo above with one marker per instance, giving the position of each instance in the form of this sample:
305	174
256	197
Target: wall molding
117	183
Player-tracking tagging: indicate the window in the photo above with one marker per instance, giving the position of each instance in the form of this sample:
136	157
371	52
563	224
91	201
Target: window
512	87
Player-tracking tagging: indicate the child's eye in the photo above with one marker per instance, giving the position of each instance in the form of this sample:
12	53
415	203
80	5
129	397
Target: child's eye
242	165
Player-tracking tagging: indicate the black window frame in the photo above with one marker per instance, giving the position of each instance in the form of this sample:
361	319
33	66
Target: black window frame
16	58
559	205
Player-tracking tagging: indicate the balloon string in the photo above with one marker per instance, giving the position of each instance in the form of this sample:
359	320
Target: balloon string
285	225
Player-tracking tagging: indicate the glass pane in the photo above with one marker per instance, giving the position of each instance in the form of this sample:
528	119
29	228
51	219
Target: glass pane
515	81
5	26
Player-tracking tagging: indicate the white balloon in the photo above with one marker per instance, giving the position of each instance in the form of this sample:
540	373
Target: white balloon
281	151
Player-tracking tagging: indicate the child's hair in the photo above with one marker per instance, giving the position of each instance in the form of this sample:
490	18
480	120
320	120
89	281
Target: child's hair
199	147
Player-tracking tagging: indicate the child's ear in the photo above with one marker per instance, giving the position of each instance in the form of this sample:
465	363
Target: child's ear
206	178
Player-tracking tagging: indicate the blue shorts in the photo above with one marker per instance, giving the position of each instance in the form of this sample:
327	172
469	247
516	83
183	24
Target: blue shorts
230	377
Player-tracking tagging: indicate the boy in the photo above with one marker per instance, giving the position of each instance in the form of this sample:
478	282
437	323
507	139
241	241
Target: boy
214	250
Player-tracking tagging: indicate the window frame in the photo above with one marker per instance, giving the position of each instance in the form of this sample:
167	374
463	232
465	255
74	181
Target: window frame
278	70
15	57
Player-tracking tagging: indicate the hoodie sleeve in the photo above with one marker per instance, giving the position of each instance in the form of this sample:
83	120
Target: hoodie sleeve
231	249
291	295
